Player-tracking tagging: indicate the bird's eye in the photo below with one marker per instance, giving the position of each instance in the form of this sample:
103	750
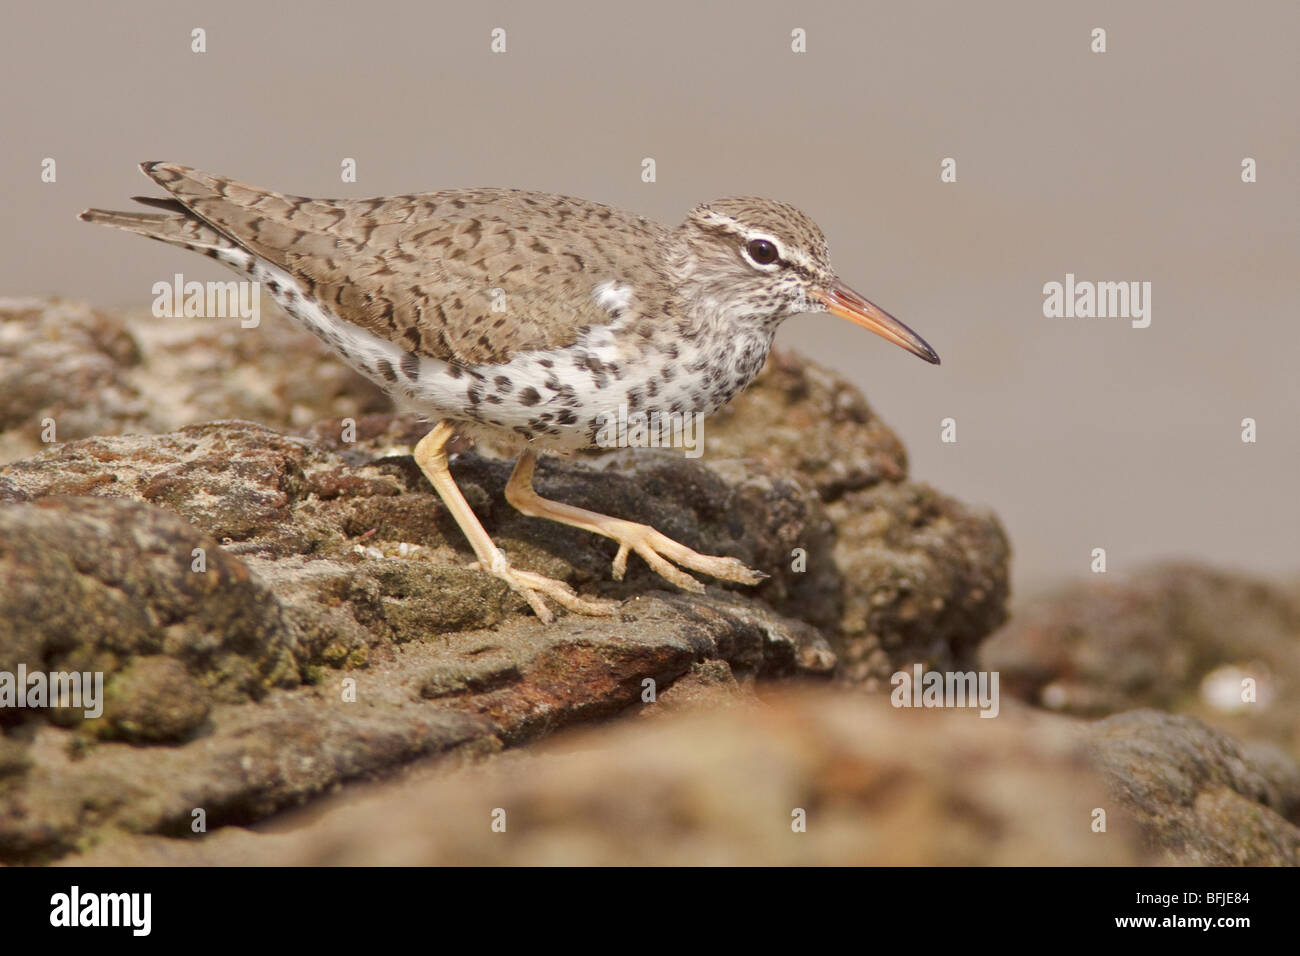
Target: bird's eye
762	251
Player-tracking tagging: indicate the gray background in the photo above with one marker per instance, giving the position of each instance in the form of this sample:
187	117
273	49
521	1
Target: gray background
1080	433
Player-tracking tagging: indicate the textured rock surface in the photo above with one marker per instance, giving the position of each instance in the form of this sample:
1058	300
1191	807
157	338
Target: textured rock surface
277	614
876	785
1181	638
284	610
925	579
1198	795
1177	637
457	661
92	584
464	694
717	776
922	576
66	362
105	373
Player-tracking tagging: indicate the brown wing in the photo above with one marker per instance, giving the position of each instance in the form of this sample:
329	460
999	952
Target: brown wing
420	270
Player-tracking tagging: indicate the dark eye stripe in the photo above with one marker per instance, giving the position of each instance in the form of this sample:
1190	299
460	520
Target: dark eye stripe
798	267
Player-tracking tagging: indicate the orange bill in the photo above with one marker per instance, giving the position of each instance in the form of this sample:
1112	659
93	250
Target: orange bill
847	304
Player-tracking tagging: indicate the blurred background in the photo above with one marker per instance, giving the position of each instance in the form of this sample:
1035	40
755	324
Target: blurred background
1080	433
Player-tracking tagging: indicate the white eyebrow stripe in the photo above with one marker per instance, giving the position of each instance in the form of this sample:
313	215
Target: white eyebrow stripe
789	253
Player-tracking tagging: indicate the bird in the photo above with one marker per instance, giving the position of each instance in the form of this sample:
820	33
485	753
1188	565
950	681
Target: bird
528	318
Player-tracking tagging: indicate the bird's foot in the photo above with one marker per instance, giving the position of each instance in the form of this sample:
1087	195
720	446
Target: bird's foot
536	587
657	550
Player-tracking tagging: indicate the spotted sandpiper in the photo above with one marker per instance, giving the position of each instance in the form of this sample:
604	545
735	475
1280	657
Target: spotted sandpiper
527	317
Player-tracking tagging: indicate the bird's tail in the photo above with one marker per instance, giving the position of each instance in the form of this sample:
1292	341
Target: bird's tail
178	225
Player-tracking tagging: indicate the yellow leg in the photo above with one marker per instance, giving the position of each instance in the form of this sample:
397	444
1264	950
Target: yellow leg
431	456
653	547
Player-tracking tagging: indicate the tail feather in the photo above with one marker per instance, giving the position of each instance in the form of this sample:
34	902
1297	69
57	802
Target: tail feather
160	202
179	228
196	190
184	180
257	220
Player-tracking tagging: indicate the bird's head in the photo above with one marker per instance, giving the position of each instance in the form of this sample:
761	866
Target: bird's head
747	258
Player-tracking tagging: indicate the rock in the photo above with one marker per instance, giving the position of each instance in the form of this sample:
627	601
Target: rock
1198	795
799	417
89	584
66	363
409	629
708	685
925	579
250	762
282	609
336	633
14	757
920	576
466	694
272	496
803	423
1161	639
154	699
711	784
98	373
871	784
1176	637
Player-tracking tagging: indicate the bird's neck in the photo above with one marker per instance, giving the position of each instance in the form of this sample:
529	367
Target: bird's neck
706	303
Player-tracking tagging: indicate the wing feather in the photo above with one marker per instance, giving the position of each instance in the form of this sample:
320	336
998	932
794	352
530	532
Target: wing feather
468	276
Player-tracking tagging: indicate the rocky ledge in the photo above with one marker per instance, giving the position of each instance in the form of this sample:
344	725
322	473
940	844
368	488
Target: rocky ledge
283	612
